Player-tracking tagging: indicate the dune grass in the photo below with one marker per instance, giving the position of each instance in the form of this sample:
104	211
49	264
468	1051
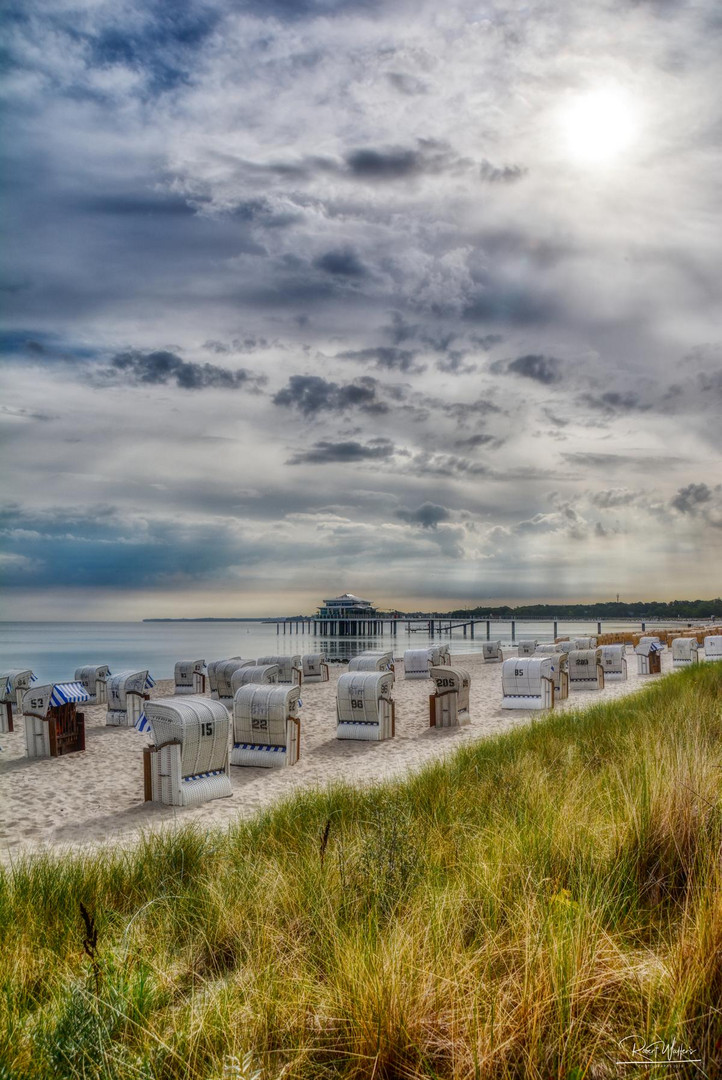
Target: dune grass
515	911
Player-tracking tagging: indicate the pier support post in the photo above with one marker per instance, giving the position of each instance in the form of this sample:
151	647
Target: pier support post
556	629
599	628
278	628
472	629
488	630
513	630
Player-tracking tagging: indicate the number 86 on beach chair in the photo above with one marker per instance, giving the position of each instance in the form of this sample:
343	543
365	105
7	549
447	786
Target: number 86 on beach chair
364	707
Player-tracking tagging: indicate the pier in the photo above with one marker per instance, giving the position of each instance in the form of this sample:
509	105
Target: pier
388	625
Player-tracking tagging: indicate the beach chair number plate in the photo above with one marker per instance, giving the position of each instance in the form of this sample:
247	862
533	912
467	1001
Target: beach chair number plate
207	728
357	703
444	682
37	703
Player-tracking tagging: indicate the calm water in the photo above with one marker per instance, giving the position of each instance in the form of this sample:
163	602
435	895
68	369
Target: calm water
54	649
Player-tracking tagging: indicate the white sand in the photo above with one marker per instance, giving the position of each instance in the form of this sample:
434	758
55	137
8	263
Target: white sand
86	798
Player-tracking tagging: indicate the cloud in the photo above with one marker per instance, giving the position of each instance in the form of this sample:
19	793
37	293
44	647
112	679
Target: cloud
325	452
163	368
614	402
393	163
689	499
343	262
505	174
312	394
428	515
542	369
614	497
384	356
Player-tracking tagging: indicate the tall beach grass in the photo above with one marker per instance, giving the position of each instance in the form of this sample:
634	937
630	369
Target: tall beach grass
515	911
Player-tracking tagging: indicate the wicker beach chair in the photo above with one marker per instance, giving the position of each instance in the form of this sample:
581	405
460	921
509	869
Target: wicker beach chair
188	761
372	661
189	678
527	682
261	674
290	670
449	704
127	694
364	707
314	667
417	663
492	652
585	670
266	725
684	652
649	656
614	662
53	726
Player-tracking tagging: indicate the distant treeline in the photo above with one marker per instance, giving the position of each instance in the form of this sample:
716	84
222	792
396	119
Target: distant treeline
675	609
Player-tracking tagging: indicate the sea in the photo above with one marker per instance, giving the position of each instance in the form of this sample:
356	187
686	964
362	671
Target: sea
53	650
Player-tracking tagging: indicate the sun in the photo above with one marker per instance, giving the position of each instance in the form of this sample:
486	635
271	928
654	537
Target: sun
599	126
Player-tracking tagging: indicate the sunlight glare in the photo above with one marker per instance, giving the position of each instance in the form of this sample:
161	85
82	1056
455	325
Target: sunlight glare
599	126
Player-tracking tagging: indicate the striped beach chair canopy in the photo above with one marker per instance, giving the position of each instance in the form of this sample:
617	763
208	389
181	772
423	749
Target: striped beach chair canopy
38	699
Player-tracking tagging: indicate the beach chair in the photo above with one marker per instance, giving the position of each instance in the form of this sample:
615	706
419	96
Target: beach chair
95	681
440	654
418	663
127	694
526	647
314	667
583	643
188	761
372	661
684	652
585	670
223	672
647	639
649	657
53	726
261	674
613	660
560	664
492	653
527	683
290	668
189	678
212	672
13	684
713	647
449	704
266	726
364	706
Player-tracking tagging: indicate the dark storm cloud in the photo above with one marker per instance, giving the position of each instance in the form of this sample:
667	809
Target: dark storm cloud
312	394
163	368
428	515
612	498
342	261
349	452
384	356
689	499
401	163
542	369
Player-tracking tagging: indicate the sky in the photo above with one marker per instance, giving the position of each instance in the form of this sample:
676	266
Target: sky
415	300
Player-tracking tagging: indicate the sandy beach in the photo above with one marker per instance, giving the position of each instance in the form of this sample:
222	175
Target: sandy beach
97	796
